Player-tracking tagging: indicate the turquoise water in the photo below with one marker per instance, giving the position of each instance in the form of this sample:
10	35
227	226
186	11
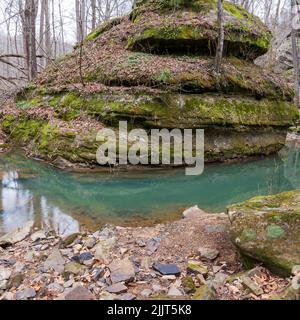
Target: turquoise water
65	201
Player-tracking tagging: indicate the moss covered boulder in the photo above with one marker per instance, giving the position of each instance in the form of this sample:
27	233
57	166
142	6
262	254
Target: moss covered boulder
191	26
155	69
267	230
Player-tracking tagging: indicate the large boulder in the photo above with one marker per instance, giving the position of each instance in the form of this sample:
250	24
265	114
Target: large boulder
155	69
267	229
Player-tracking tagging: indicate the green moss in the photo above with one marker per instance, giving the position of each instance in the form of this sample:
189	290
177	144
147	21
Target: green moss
106	26
274	232
248	234
188	285
204	293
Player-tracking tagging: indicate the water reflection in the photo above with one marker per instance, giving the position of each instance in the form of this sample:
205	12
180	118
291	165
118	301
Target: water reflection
64	201
20	205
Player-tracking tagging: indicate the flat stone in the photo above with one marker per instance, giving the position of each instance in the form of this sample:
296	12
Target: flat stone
252	285
17	235
55	261
207	253
122	271
103	247
28	293
197	267
39	235
79	293
167	269
81	258
117	288
193	213
219	280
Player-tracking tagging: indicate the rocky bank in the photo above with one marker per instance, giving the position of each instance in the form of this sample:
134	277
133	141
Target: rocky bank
193	258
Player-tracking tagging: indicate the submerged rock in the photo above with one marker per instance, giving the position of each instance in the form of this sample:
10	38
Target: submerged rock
267	229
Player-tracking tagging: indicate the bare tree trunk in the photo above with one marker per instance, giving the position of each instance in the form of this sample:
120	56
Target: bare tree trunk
295	59
220	47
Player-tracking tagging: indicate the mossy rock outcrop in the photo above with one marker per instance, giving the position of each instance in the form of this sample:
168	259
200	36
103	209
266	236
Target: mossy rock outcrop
267	230
191	26
114	76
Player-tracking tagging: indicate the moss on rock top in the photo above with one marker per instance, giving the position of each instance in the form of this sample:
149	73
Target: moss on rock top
191	26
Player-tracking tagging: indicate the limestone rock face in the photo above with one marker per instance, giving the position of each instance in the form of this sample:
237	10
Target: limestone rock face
155	69
267	229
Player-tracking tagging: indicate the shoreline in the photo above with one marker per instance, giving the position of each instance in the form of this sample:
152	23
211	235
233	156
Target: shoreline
118	263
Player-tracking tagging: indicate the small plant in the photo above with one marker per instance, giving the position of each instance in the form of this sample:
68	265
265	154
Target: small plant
165	76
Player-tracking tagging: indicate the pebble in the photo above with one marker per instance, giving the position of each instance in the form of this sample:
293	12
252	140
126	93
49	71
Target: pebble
79	293
117	288
146	293
174	292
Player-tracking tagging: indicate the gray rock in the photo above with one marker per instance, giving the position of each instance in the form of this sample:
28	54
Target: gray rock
17	235
174	292
219	280
4	276
103	247
252	285
28	293
167	269
127	297
39	235
15	280
207	253
79	293
146	293
122	270
106	296
117	288
90	243
81	258
98	273
55	261
55	288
